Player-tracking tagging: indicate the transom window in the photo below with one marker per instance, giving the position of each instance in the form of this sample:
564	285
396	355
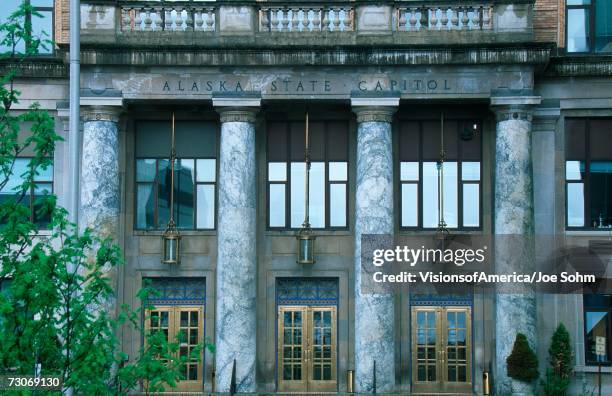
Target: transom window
588	172
589	25
419	155
286	174
195	174
38	24
43	184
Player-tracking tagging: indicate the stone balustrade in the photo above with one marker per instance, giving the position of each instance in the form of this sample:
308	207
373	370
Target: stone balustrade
306	18
445	17
168	17
333	22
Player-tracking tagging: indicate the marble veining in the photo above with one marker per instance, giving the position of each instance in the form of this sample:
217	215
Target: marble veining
236	259
515	312
374	314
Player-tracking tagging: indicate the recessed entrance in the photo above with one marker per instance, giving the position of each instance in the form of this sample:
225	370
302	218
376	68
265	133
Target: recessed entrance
441	349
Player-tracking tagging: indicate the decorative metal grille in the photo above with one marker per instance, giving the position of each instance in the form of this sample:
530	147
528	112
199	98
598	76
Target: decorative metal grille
307	291
441	300
178	291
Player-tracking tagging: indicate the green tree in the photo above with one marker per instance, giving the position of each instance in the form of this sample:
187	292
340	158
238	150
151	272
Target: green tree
522	364
55	289
557	379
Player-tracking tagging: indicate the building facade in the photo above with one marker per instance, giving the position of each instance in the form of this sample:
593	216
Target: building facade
522	91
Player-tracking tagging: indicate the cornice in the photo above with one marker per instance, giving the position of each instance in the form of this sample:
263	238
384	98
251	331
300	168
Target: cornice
579	66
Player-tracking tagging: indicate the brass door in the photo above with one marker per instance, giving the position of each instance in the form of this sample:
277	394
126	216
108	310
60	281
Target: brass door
441	349
307	349
184	325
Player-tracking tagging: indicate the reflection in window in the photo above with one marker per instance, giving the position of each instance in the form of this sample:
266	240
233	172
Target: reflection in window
328	186
42	187
419	149
588	172
589	25
38	24
597	319
194	176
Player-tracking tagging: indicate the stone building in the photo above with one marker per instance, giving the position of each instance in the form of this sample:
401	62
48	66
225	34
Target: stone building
524	90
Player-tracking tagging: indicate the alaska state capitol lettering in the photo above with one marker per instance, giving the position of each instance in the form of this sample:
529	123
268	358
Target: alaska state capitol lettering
288	86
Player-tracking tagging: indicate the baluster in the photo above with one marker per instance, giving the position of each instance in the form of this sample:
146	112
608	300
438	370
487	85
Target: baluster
455	19
159	18
306	19
349	19
198	20
326	19
444	19
476	18
336	19
188	18
423	20
316	19
433	19
285	19
264	20
147	21
167	19
402	19
274	20
138	19
210	20
294	20
486	18
465	19
413	19
179	19
126	21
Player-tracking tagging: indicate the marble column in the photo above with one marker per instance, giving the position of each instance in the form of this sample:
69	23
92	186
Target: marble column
515	310
100	206
374	313
235	330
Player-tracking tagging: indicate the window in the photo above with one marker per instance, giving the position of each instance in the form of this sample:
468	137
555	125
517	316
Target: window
328	195
597	325
38	27
43	185
589	25
195	174
588	172
419	154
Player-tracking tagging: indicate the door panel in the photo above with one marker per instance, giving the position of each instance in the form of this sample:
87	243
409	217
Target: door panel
441	349
307	349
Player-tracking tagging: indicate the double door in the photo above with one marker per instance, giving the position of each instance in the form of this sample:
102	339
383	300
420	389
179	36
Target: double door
441	350
185	326
307	349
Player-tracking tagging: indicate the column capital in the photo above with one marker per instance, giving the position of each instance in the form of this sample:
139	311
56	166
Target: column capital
238	114
374	109
232	108
508	106
101	113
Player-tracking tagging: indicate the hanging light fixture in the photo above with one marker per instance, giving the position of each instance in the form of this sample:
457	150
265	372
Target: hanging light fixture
305	237
442	231
171	237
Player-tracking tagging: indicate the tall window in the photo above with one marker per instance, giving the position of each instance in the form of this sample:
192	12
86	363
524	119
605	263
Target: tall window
328	174
43	184
589	25
419	154
38	24
597	327
588	172
195	174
